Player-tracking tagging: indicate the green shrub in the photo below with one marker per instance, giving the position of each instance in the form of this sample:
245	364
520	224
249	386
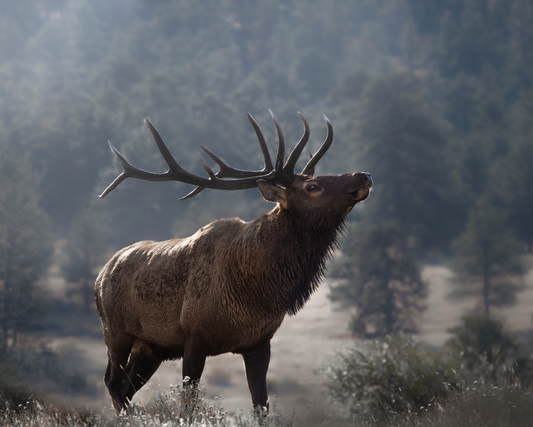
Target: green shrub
398	375
13	390
41	364
489	352
478	405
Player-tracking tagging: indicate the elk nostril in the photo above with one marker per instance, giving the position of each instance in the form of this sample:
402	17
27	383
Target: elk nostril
368	177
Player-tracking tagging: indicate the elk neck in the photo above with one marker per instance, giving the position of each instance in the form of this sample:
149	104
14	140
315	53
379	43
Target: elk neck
294	250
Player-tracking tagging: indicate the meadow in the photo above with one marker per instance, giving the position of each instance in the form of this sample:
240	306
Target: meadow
302	351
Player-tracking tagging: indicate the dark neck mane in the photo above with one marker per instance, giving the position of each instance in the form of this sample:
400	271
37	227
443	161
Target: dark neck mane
301	252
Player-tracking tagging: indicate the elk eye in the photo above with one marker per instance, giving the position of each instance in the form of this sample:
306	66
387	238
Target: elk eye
312	187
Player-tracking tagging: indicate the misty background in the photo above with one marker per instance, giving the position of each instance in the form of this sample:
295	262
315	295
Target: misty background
433	97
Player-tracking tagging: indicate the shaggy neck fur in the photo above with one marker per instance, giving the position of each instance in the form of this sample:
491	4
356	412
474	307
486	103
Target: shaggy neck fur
301	248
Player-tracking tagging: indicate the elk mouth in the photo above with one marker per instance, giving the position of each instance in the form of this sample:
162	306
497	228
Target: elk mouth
362	192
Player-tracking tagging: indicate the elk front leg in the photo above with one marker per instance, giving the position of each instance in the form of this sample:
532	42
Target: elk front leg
194	356
256	362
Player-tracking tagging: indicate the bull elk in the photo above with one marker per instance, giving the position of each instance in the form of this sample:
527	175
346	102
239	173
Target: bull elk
227	287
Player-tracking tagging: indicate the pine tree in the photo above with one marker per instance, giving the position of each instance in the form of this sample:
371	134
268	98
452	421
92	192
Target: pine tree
403	147
513	177
516	188
383	283
84	253
486	256
25	248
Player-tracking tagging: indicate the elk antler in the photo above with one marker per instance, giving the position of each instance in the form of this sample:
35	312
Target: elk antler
309	168
241	179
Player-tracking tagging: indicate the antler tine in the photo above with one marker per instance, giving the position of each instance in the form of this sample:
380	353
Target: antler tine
266	155
193	193
309	169
280	157
227	171
295	154
132	171
119	178
207	168
198	190
171	162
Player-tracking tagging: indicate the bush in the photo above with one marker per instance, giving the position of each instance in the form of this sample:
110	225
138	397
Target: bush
13	390
45	365
399	375
479	405
489	352
41	368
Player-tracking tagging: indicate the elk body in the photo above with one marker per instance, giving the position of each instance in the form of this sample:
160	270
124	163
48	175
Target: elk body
227	287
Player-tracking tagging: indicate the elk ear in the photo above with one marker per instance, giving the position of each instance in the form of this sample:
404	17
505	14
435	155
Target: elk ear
271	192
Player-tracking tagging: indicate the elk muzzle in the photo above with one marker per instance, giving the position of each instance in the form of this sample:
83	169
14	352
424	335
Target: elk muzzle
362	185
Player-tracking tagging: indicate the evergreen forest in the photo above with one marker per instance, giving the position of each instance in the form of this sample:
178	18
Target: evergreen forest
434	98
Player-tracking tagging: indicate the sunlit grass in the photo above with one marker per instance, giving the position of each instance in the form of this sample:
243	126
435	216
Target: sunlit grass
177	406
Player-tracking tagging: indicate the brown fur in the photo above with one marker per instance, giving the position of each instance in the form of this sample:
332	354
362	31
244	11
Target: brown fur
224	289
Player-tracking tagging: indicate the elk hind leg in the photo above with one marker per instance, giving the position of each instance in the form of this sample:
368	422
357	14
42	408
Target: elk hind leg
140	368
118	351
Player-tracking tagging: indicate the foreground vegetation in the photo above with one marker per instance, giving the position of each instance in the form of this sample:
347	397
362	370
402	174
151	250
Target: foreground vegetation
479	405
481	376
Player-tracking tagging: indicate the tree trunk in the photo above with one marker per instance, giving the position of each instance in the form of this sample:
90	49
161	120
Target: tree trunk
486	290
486	277
389	310
6	306
15	336
3	344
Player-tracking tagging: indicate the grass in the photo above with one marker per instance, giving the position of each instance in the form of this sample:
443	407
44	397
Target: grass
166	409
480	405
